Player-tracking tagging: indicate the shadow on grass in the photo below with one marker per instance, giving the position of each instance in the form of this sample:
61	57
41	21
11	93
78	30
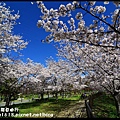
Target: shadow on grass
104	107
51	104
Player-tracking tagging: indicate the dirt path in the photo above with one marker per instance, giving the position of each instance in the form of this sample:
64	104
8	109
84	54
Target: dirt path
75	110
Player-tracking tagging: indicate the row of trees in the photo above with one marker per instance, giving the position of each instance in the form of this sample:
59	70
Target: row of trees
15	75
9	44
90	50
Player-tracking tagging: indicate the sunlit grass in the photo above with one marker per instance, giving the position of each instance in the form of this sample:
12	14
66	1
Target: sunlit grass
103	107
51	106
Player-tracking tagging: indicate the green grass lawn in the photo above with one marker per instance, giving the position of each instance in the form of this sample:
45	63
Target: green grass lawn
50	106
104	107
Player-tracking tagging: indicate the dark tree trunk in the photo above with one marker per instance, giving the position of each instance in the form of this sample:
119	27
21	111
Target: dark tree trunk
91	101
62	94
117	103
56	96
42	96
48	95
7	100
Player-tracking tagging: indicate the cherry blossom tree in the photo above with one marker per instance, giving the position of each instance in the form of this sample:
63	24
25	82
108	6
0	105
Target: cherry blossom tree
103	30
64	79
101	66
11	81
106	67
54	81
37	78
23	76
44	76
9	43
93	48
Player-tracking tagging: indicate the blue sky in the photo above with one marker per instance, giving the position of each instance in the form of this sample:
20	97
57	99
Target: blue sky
29	15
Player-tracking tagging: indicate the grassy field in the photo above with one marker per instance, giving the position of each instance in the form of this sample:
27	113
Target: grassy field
103	107
50	106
